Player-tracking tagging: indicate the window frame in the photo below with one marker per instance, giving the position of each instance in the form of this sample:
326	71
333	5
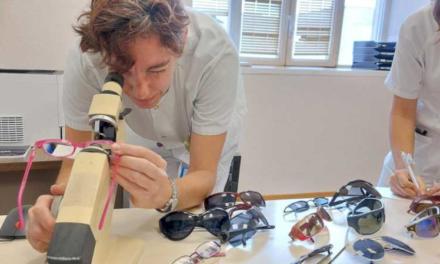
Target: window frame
334	42
286	33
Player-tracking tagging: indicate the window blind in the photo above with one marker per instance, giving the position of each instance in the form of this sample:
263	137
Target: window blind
260	34
313	29
212	7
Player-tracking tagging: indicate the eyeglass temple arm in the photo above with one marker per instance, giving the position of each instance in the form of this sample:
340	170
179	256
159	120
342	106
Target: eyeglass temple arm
21	223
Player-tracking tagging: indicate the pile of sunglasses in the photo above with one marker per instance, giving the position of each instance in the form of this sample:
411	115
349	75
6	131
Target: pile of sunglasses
420	203
426	223
218	221
373	249
353	192
367	217
310	225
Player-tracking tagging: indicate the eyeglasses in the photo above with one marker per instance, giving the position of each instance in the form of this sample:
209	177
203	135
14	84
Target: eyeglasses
301	206
61	148
422	202
178	225
244	226
426	223
326	248
354	191
310	225
367	217
374	249
228	199
206	250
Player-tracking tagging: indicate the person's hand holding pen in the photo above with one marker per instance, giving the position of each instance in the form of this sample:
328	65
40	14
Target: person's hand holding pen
402	185
404	182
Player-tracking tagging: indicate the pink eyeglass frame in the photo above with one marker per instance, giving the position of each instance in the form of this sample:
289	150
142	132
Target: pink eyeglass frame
39	145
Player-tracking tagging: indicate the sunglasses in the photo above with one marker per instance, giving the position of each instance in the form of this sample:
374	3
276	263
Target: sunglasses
204	251
229	199
426	223
374	249
301	206
60	148
244	226
326	248
420	203
178	225
367	217
354	191
310	225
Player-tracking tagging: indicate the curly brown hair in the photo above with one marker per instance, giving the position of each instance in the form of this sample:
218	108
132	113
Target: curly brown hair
437	11
111	25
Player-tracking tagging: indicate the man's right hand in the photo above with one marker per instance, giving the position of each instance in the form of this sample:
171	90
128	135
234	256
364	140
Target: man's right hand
401	185
41	222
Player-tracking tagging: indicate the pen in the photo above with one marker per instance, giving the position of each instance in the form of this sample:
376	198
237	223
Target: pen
409	161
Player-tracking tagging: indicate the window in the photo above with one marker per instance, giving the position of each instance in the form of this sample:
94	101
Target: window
359	24
293	32
219	9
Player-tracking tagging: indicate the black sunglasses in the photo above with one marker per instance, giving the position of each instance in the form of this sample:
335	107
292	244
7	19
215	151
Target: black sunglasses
244	226
178	225
367	217
353	192
229	199
302	206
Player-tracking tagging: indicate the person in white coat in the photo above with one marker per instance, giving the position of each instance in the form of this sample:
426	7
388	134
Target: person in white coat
182	81
414	80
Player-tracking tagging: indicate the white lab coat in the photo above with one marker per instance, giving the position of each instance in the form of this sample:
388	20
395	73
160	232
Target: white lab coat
415	74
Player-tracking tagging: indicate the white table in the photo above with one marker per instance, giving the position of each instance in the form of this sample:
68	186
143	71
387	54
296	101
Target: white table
271	246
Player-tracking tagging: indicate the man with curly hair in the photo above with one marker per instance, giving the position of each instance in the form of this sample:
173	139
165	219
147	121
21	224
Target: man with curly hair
182	82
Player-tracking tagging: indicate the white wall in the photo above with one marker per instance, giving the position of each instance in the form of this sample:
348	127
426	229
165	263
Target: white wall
309	132
36	34
399	10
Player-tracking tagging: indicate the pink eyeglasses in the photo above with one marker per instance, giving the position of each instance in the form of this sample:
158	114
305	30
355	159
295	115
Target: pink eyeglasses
60	148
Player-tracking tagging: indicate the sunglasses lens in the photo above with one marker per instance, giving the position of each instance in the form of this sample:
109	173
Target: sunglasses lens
176	225
222	200
299	206
369	249
428	227
253	198
58	149
216	221
398	245
208	249
237	238
308	227
320	201
370	223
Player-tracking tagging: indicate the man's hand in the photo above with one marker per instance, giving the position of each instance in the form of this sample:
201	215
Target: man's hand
401	185
41	222
143	174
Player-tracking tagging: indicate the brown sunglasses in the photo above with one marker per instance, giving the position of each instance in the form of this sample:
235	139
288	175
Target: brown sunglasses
422	202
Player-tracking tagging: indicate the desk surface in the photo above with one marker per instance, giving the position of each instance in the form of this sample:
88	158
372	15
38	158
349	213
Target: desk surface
272	246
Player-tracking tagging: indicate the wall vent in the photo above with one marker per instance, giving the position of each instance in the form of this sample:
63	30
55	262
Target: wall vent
11	129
